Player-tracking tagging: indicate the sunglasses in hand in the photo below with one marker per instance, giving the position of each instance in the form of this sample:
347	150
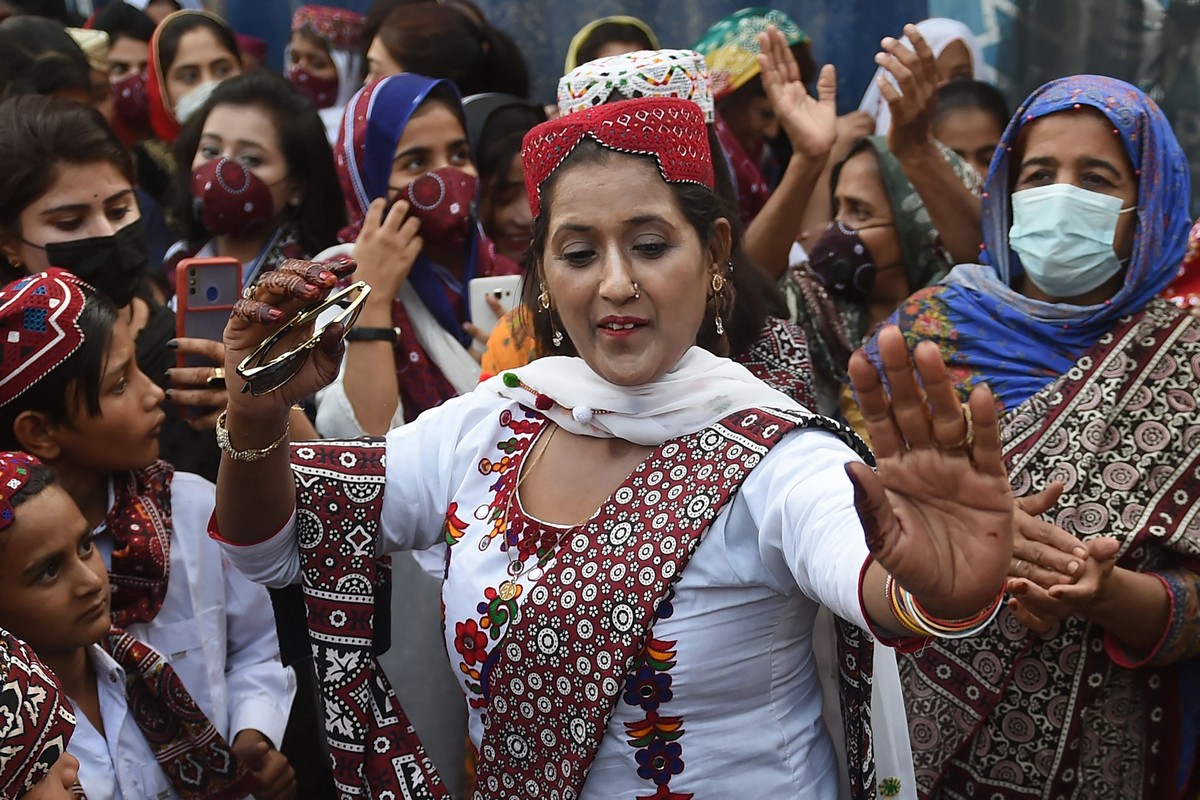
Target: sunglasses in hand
272	365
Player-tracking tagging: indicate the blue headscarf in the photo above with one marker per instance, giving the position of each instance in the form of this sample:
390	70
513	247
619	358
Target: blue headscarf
375	120
989	332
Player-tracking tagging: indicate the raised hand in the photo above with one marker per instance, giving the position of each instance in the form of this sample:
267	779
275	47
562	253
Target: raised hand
938	512
386	249
914	104
276	298
810	123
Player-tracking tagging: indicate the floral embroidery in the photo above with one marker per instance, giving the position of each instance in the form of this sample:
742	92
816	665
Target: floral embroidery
656	736
454	528
473	636
889	787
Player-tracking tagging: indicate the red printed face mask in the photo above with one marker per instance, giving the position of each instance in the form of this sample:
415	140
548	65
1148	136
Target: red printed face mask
322	91
132	102
231	199
444	201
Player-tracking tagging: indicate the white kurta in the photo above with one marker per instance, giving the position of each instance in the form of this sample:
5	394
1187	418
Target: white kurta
743	681
117	764
215	627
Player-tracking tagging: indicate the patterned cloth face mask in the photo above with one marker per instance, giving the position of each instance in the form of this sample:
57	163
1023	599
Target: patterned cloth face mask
132	102
444	201
322	91
842	262
231	200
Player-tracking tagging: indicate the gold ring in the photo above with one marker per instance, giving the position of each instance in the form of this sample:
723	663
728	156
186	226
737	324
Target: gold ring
968	438
248	291
217	379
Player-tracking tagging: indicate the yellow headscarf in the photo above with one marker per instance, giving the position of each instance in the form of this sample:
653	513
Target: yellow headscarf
585	33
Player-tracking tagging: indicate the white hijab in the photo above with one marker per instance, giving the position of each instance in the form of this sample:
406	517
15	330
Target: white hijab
939	32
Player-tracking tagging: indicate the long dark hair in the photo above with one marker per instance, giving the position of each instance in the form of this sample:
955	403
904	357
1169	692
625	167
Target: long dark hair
75	382
444	41
37	134
702	207
305	148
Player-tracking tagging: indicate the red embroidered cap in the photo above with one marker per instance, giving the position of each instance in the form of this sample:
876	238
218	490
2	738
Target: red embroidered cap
35	723
39	328
14	473
670	129
340	27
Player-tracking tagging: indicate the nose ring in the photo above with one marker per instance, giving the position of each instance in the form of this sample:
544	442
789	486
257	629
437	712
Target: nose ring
637	292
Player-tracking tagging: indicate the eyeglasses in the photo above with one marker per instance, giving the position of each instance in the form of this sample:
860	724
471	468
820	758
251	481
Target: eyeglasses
264	370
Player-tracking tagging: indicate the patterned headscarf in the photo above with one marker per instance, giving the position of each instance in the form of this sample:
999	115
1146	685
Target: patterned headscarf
35	722
646	73
585	33
371	129
39	323
669	129
988	331
731	45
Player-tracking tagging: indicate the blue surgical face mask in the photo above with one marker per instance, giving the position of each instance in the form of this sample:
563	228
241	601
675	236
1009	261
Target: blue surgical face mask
1064	236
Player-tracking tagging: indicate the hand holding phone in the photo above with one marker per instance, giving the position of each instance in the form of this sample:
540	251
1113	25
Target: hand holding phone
491	298
205	291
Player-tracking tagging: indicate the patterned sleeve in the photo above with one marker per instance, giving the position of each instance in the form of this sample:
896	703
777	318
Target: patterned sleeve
1181	638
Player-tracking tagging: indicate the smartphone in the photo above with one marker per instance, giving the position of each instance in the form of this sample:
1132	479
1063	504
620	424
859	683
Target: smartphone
205	291
504	288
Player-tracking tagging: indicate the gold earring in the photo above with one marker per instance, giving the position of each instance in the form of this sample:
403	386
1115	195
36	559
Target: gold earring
718	282
544	298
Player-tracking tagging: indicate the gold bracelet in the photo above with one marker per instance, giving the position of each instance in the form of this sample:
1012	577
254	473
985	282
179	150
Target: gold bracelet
227	447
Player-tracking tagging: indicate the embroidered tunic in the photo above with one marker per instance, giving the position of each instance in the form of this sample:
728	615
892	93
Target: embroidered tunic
726	701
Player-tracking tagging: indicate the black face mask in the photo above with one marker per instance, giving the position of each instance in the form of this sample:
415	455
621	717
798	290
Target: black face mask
114	265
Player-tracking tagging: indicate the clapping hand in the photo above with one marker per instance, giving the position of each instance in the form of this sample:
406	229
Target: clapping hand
938	512
810	123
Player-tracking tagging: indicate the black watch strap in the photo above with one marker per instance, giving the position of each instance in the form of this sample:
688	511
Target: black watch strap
373	335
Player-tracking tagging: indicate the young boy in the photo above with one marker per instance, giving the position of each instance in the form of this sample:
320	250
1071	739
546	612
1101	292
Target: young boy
72	395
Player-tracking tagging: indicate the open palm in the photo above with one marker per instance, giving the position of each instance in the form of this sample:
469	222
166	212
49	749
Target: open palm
938	512
809	122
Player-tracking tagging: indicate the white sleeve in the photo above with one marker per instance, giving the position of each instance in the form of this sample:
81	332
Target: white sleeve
335	414
260	688
427	460
273	562
802	504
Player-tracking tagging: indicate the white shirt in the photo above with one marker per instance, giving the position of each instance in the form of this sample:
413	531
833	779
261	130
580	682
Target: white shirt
215	627
118	763
745	681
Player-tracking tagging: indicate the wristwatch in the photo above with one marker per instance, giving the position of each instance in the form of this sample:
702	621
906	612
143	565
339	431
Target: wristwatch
373	335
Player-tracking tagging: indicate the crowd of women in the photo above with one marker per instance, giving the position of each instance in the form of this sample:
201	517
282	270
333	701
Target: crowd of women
816	455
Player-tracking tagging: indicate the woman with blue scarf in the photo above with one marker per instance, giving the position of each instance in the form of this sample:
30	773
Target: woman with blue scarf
412	192
1082	689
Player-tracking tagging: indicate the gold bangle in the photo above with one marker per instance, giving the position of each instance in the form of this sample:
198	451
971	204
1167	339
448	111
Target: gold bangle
251	455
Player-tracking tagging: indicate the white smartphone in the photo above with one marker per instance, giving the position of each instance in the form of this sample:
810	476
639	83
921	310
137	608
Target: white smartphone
506	289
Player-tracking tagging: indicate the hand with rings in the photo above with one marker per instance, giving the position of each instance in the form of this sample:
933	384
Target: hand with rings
277	297
199	391
938	510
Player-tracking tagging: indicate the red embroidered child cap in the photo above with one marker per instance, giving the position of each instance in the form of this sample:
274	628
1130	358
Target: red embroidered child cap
340	27
670	129
39	328
15	472
35	723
